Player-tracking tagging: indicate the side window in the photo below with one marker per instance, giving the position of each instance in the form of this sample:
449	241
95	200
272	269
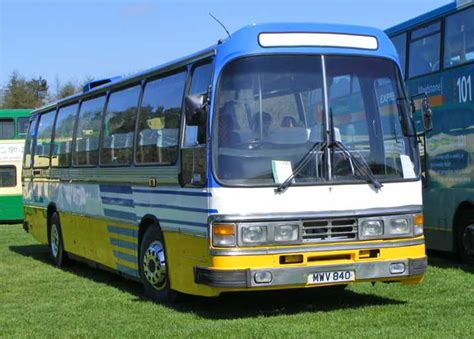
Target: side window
119	127
424	50
63	133
30	141
201	78
7	176
159	119
459	38
43	140
22	125
86	143
7	129
400	43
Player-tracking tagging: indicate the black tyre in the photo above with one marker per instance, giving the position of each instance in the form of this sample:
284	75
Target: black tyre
465	238
153	267
55	240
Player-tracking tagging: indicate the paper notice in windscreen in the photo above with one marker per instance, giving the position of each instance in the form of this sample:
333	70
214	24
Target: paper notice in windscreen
407	167
281	170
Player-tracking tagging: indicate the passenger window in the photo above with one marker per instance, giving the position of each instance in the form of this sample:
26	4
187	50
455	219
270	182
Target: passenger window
159	120
86	143
119	127
22	125
400	43
43	140
63	133
7	130
424	50
30	141
7	176
201	79
459	38
193	154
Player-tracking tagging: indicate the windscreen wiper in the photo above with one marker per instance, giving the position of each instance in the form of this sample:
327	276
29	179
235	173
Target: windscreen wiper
301	164
360	165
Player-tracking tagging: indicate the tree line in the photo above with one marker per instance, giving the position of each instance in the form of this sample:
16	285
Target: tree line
22	92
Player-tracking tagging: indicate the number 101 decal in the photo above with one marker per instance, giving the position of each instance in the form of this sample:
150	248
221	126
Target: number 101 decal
464	89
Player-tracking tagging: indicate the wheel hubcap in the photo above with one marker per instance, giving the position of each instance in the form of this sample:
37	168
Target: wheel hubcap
154	265
54	240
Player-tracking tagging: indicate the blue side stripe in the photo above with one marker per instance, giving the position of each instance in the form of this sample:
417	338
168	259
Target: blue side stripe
118	201
116	189
120	214
122	231
179	208
194	194
181	222
127	270
126	257
123	243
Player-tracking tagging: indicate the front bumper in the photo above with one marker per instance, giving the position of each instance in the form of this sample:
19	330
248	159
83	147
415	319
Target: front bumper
297	276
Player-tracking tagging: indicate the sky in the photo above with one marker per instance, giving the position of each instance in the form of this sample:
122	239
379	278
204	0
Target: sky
62	40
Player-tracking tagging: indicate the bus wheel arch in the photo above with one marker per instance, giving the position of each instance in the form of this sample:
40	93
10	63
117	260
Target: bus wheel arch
153	263
464	231
55	237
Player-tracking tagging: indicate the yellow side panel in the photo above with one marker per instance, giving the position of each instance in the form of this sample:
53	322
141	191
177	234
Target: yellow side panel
106	242
37	220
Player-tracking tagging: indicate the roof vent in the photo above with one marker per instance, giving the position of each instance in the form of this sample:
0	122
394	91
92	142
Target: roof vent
97	83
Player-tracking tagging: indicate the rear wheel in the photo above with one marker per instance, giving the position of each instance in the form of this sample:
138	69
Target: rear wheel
56	244
465	237
153	266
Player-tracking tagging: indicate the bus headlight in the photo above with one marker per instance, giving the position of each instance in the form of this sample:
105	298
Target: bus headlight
286	232
371	228
399	226
253	234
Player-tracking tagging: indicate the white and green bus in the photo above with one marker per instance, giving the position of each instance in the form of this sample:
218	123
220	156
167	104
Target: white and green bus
437	56
13	127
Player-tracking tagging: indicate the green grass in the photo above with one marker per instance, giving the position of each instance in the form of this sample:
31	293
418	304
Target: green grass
36	299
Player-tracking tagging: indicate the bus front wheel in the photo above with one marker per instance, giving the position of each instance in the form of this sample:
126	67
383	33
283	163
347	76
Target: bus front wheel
154	271
56	245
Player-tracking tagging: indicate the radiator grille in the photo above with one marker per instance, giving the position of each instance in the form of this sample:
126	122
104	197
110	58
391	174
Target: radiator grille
327	230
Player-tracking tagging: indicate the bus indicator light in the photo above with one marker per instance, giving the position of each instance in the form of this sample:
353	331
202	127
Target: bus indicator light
223	235
224	229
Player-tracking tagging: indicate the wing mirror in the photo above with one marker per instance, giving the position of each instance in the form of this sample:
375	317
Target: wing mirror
427	113
196	109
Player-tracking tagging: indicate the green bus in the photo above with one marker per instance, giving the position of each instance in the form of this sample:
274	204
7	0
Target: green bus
436	52
13	128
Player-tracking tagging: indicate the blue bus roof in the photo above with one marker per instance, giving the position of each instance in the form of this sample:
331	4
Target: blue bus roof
429	16
245	42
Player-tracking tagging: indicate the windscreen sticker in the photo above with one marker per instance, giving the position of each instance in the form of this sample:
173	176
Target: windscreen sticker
281	170
407	167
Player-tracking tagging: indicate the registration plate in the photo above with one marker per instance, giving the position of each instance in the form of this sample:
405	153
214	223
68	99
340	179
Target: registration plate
330	277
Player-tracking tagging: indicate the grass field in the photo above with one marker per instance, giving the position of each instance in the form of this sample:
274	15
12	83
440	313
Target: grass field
36	299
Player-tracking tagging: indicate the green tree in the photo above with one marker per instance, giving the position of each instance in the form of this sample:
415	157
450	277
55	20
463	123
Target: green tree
66	90
22	93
